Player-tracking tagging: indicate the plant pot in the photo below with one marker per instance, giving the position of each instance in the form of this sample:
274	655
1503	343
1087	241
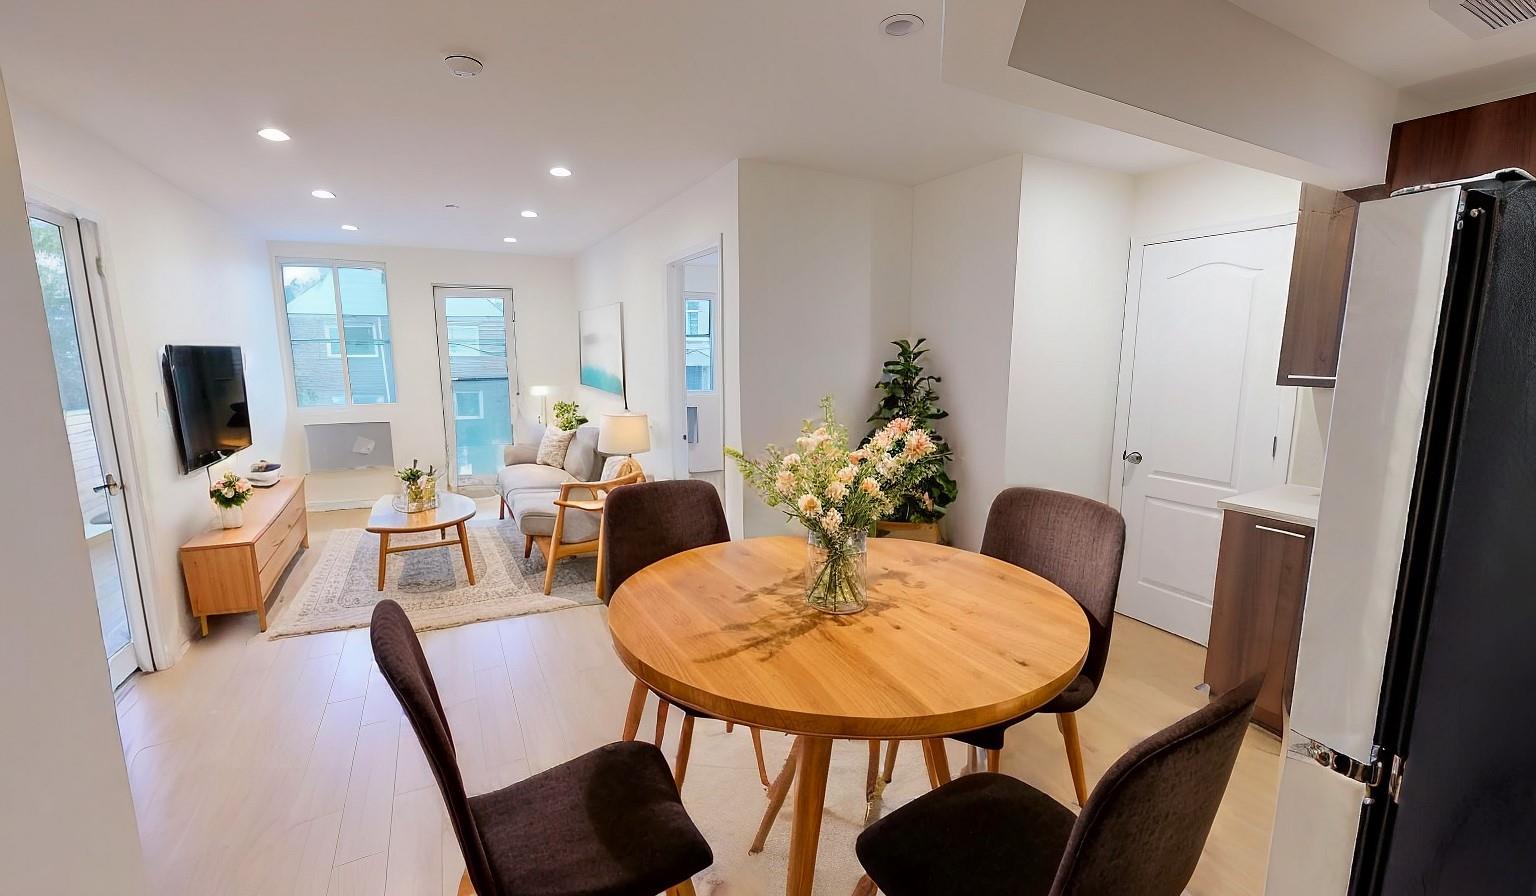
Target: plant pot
928	532
231	517
417	496
836	573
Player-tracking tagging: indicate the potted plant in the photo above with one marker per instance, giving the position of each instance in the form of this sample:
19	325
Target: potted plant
418	488
837	493
568	415
229	494
908	392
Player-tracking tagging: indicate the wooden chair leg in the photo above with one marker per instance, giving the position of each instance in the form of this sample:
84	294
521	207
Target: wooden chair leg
554	550
527	546
1067	722
890	760
776	794
465	887
636	710
729	727
994	760
661	721
872	771
865	887
757	747
683	889
502	513
938	761
383	556
684	747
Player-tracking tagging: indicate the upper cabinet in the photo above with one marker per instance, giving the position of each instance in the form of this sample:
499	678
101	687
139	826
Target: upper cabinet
1464	143
1314	313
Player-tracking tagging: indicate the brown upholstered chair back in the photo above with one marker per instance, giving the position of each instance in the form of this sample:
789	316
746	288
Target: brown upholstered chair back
1075	542
1146	823
650	521
397	650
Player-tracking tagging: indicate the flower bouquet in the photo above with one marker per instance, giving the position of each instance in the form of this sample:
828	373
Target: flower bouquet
229	494
418	489
837	493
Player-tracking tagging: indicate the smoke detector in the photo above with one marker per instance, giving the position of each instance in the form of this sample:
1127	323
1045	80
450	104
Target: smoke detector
901	24
1480	18
463	66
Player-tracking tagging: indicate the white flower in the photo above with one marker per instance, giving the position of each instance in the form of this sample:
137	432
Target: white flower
229	492
919	444
809	505
881	440
837	491
806	443
784	482
832	519
869	486
846	475
790	460
927	501
889	466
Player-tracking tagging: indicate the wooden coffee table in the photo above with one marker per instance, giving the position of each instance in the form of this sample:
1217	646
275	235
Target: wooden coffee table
452	510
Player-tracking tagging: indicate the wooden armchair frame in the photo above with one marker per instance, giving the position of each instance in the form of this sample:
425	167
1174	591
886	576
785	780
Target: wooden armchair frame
551	546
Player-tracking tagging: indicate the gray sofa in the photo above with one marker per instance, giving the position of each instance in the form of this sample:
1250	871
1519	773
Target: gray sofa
529	489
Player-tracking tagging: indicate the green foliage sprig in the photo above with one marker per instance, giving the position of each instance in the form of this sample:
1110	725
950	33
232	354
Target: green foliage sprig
568	415
908	391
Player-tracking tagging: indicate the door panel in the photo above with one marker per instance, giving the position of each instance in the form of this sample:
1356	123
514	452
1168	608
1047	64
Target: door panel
1205	416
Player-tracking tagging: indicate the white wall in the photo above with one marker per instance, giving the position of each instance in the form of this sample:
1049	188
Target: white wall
631	267
825	278
1074	245
177	271
965	242
543	300
66	819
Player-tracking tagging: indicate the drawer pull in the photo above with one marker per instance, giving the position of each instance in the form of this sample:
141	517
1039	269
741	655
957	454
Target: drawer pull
1278	531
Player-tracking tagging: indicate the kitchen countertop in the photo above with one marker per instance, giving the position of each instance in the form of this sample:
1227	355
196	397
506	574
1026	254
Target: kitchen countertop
1290	503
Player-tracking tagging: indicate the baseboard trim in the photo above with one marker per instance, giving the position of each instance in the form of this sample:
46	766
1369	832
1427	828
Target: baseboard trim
349	504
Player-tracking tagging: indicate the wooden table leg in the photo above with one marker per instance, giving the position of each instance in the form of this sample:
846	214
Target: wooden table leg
469	565
636	709
810	800
776	794
383	555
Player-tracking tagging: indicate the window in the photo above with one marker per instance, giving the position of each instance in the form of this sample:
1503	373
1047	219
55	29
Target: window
338	333
468	406
464	340
698	344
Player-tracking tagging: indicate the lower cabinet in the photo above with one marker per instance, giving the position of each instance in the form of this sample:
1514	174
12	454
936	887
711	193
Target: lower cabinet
1261	584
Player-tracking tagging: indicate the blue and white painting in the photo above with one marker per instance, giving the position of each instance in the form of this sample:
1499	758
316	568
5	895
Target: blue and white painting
602	348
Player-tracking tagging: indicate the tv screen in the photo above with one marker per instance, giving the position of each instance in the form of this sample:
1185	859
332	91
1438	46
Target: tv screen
205	385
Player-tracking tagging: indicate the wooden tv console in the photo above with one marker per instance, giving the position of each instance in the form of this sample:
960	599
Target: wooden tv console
236	570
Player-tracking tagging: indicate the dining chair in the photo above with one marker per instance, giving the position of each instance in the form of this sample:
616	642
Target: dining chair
642	524
610	821
1142	830
1077	544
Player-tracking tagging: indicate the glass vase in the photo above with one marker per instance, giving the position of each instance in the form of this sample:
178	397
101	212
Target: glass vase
231	517
417	496
836	572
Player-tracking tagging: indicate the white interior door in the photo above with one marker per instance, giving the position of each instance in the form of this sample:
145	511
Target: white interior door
695	311
1205	419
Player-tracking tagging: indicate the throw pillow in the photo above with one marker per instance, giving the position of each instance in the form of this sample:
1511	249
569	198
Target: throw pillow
553	446
611	467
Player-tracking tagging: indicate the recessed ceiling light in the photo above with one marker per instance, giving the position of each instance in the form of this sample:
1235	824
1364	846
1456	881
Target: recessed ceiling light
273	134
322	194
451	205
349	227
509	239
901	25
530	213
559	171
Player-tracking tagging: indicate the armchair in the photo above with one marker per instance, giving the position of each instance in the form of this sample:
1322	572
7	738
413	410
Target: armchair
577	525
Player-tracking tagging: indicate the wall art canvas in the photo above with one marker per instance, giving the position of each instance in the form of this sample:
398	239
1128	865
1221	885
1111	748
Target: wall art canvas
602	348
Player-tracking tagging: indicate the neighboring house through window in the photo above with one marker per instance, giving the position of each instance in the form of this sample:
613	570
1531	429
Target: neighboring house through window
338	333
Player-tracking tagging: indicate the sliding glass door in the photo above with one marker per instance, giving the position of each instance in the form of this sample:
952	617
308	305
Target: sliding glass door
477	355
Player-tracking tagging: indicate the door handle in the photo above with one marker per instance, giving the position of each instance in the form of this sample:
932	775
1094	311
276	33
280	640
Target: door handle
1131	457
109	484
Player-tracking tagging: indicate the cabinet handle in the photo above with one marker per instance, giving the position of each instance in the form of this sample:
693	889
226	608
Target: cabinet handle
1279	531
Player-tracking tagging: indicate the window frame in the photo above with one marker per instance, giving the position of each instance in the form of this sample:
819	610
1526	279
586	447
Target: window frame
346	350
279	262
710	300
479	404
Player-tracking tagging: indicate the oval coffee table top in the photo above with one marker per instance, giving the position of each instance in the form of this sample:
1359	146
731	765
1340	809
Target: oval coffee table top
951	641
451	510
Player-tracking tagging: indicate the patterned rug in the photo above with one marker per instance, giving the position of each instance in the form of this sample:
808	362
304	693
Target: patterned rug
431	584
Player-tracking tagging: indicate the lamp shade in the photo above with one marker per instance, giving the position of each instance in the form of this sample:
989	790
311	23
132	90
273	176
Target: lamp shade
624	434
538	391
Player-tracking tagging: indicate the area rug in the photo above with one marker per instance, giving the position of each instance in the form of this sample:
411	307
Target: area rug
431	585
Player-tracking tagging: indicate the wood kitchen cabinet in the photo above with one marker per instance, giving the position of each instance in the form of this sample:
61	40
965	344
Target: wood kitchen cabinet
1314	311
1261	584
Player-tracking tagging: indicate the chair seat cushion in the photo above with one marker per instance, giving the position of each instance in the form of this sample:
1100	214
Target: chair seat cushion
609	823
978	835
530	477
1075	697
534	513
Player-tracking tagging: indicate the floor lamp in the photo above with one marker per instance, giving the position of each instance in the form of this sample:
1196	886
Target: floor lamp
542	394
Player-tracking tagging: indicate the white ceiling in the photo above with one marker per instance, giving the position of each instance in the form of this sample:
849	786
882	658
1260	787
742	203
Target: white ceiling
640	99
1402	42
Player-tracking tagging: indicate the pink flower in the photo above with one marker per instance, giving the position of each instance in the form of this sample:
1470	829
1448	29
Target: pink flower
919	444
790	460
784	482
837	491
869	486
858	457
847	475
901	425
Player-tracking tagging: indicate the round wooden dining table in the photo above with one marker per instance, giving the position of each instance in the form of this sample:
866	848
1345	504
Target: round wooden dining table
951	641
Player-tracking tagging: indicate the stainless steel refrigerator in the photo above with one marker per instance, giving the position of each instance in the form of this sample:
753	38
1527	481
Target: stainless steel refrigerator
1410	750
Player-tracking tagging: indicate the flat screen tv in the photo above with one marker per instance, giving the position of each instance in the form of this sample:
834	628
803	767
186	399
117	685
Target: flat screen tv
205	385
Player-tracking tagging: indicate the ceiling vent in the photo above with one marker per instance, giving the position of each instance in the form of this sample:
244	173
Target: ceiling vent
1480	18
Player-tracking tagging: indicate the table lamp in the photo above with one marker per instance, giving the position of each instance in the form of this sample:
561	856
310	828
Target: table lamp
627	434
542	394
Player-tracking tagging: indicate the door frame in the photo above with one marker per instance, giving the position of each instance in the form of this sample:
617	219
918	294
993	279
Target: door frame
97	328
1128	338
677	398
445	383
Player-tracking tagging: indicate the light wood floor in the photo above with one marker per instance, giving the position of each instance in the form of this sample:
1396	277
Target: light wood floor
284	767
